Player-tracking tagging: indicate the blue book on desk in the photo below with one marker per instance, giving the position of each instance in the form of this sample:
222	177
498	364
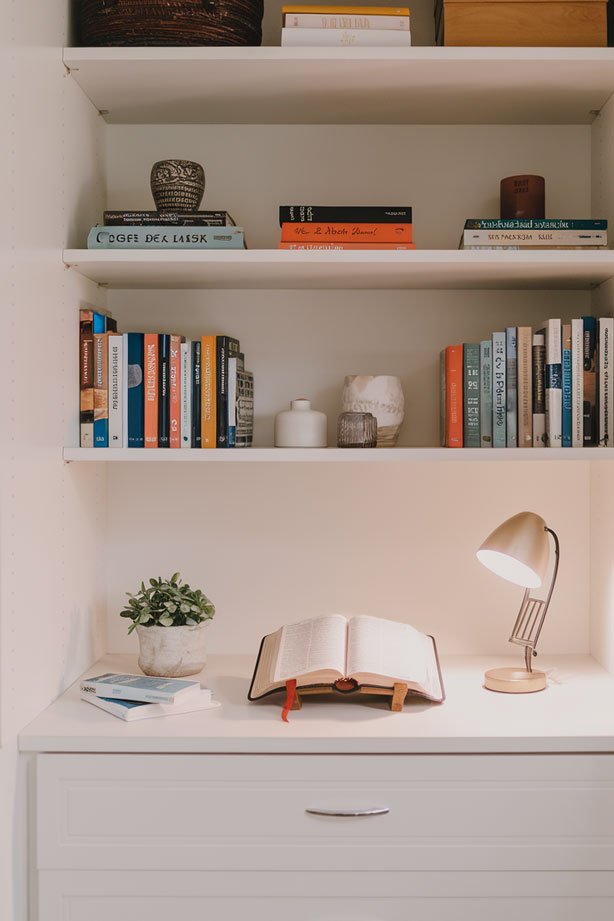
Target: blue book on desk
139	687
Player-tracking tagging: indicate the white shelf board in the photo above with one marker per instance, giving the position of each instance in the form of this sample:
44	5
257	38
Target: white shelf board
375	269
272	85
333	455
574	714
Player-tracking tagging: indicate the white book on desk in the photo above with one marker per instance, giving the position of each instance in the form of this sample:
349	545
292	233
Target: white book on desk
130	710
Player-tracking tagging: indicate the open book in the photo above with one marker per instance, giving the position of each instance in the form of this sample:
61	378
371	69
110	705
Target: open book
361	652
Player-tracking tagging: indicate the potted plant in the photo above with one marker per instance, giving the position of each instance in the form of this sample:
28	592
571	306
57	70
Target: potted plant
170	619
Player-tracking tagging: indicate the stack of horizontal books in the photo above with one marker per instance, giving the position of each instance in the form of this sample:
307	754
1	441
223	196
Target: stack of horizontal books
487	233
345	26
166	230
137	697
345	227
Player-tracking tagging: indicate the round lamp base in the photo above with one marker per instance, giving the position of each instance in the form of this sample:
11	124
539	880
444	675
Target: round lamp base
514	680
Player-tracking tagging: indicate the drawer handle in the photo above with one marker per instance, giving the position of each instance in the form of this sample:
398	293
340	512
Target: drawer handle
345	813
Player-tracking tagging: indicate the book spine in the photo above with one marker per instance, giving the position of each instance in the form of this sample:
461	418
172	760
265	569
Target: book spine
208	392
591	430
511	387
554	385
164	391
533	224
486	394
245	409
226	346
235	363
343	38
442	399
577	383
308	214
471	395
196	394
151	390
288	9
124	390
186	394
175	392
136	390
454	396
499	396
606	381
400	247
348	232
101	393
86	378
164	237
116	368
332	21
525	387
164	218
567	386
536	237
539	390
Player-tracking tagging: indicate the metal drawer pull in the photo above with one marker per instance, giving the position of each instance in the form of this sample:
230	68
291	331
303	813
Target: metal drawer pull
375	810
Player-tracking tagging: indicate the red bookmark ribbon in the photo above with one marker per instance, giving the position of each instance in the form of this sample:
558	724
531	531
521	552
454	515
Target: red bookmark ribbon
290	695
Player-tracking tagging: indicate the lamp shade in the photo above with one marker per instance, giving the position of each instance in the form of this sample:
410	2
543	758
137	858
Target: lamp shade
518	550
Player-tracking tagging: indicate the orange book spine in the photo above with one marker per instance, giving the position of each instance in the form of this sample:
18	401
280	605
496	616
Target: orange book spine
346	232
454	396
361	246
175	392
151	390
208	392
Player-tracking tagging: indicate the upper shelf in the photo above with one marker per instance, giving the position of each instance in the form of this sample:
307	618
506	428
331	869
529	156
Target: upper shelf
420	85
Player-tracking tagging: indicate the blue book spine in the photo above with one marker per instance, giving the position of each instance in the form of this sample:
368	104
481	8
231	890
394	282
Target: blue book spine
165	237
471	395
101	402
511	387
567	386
99	323
136	390
498	391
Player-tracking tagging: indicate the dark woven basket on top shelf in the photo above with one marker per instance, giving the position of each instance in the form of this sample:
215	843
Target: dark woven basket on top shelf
169	22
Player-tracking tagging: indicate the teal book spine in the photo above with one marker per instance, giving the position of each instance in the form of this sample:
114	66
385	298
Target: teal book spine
511	387
471	395
486	394
164	237
499	415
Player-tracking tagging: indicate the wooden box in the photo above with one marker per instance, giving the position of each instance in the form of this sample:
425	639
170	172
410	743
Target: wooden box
544	23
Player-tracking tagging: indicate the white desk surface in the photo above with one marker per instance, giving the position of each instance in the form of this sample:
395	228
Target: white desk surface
574	714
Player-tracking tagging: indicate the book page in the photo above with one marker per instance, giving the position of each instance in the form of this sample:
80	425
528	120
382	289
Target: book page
311	646
380	648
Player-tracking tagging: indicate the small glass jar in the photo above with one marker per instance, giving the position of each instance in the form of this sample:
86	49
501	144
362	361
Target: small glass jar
357	430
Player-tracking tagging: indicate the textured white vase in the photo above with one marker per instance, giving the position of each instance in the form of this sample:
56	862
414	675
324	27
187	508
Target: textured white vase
381	395
172	652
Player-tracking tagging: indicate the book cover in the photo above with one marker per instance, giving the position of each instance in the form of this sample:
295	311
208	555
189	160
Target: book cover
567	409
577	383
345	21
186	394
86	378
175	392
539	390
360	214
225	347
196	428
163	218
164	390
116	374
471	395
511	388
140	687
135	389
348	232
524	342
454	396
486	393
208	392
533	224
554	384
245	409
165	237
235	363
343	38
499	395
400	247
606	381
590	413
151	390
101	394
130	710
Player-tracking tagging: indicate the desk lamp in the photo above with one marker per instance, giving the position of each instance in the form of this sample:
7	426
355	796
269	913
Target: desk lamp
519	551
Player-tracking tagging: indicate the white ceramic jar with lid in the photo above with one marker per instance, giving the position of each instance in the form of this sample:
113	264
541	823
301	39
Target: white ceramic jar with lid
300	426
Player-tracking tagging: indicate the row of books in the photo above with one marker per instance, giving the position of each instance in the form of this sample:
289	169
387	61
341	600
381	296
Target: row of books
520	389
166	230
346	227
137	697
157	390
345	26
518	234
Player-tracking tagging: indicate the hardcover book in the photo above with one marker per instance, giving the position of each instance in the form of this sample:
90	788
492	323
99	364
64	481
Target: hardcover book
539	390
554	384
116	373
606	381
130	710
151	390
165	237
499	395
236	363
135	389
208	392
175	392
533	224
196	413
345	21
454	396
186	394
486	393
164	392
577	383
86	378
360	214
567	385
362	652
349	232
399	247
101	393
591	420
140	687
245	409
537	238
176	218
511	388
471	395
345	37
225	347
524	341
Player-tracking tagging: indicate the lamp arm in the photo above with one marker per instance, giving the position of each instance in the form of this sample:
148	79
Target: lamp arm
557	556
533	611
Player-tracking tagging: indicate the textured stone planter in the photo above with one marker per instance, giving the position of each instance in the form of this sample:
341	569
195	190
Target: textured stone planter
172	652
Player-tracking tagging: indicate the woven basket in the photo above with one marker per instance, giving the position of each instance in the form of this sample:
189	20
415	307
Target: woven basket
169	22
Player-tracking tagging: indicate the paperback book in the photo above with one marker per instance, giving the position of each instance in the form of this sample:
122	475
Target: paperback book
131	710
165	237
139	687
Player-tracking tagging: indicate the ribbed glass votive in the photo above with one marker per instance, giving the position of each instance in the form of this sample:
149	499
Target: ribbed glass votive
357	430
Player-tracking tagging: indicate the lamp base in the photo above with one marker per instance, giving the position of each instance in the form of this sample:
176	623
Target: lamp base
514	680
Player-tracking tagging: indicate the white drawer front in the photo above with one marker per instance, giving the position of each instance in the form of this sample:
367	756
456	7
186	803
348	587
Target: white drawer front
250	812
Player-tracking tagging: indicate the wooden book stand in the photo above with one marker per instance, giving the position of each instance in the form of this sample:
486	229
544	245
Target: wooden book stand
347	686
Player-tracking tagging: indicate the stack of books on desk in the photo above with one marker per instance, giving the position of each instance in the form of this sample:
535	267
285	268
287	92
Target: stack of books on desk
137	697
345	26
345	227
487	233
166	230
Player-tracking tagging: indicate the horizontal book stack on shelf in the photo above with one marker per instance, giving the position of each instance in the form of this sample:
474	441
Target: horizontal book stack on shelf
166	230
151	390
345	227
345	26
137	697
519	234
521	389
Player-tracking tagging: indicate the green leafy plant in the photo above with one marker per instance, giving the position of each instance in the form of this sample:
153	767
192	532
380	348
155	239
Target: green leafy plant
167	603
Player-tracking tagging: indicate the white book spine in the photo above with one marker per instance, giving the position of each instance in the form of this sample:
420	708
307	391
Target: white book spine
116	376
345	21
554	385
536	237
606	381
344	38
577	383
186	394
